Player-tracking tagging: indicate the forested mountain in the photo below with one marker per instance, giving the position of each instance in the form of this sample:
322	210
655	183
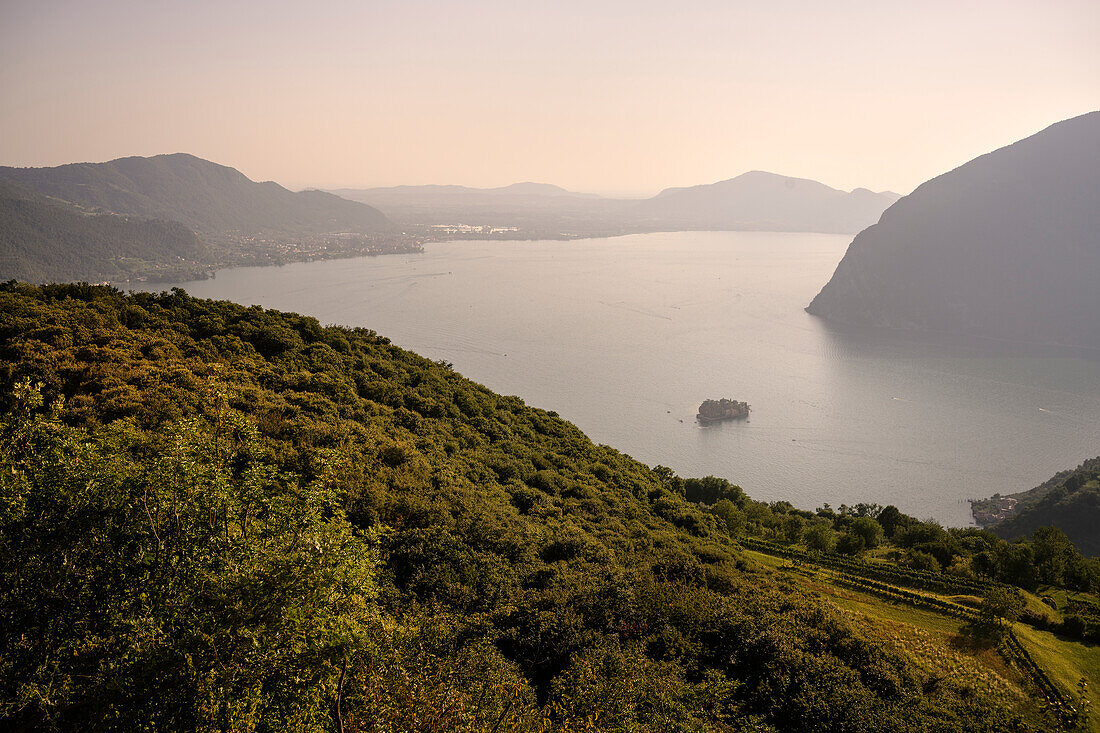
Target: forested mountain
221	517
43	240
760	200
1069	501
207	197
1006	246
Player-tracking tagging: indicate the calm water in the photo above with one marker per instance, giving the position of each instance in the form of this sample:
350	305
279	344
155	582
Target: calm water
626	336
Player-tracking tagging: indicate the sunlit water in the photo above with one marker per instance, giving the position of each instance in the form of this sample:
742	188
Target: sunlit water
626	336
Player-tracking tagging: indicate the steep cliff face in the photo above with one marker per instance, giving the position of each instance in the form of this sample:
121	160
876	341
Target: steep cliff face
1006	246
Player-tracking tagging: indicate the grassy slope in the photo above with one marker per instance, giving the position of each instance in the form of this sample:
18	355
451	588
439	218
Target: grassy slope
945	641
1065	660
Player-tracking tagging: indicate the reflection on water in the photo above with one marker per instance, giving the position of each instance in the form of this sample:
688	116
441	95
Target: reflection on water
626	336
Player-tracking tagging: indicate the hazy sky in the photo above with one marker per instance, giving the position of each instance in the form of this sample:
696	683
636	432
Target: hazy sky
624	97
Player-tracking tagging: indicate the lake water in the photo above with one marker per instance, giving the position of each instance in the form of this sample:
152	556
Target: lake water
626	336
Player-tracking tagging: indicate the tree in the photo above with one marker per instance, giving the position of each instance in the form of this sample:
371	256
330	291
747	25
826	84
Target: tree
818	537
869	530
921	560
850	543
733	517
710	490
891	520
792	528
1001	606
1054	554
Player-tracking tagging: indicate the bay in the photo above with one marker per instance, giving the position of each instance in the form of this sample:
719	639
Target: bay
626	336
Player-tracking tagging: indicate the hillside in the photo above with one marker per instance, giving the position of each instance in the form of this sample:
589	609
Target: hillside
1006	246
217	516
1069	501
760	200
43	240
205	196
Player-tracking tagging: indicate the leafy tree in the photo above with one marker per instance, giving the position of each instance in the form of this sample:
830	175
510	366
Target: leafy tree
850	543
920	560
818	537
1054	554
1001	606
792	528
732	518
868	530
710	490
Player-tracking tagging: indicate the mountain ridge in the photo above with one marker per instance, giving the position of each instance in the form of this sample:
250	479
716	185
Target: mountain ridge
1005	246
208	197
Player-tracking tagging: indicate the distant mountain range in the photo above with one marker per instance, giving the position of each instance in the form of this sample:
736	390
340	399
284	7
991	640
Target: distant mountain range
205	196
1006	246
752	201
179	216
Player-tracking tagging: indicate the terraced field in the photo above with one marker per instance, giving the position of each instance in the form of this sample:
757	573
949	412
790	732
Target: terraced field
939	632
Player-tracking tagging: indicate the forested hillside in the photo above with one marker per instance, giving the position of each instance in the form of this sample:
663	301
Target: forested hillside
43	240
215	516
205	196
171	218
1069	501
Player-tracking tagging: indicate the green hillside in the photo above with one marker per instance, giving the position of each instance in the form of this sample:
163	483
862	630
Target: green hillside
1070	501
205	196
219	517
43	240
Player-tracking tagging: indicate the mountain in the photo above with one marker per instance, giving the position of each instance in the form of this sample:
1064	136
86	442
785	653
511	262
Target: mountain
209	198
753	201
1006	246
45	240
760	200
1069	501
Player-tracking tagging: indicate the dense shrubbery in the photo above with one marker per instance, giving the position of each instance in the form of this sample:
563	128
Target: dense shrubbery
1047	558
225	517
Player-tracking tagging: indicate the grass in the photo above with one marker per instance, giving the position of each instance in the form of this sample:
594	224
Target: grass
939	641
1065	660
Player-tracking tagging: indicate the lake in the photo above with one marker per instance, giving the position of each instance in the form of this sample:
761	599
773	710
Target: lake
626	336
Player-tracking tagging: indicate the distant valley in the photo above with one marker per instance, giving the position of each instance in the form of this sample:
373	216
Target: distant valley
754	201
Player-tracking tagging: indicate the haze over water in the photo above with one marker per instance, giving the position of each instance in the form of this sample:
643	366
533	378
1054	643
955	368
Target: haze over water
626	336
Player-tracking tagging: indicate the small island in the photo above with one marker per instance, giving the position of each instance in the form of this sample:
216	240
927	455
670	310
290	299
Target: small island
724	409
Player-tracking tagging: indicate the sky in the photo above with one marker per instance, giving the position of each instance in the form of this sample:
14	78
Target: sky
619	98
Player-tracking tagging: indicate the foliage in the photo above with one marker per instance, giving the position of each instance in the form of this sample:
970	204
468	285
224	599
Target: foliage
237	518
40	240
193	588
1001	606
